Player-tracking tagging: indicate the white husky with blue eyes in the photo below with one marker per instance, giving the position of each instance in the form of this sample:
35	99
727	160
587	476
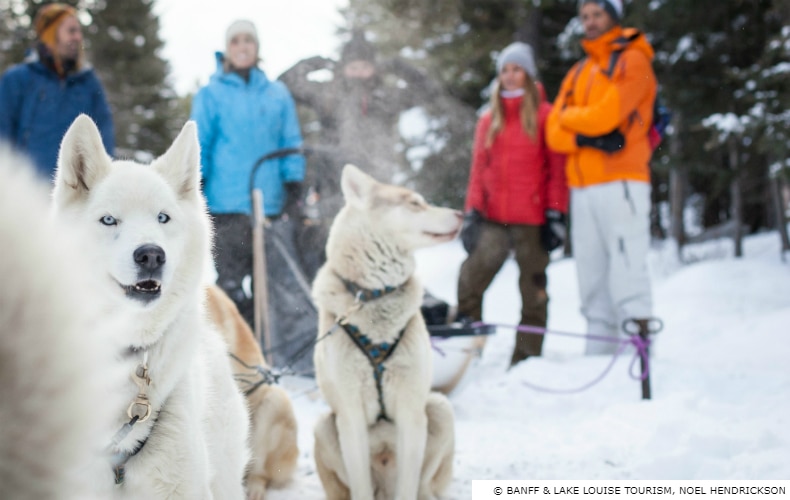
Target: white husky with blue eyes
183	426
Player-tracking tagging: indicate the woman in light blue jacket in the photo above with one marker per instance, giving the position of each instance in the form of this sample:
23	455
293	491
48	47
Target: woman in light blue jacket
241	116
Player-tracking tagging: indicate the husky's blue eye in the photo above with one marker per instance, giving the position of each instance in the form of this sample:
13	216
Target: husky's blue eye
108	220
163	218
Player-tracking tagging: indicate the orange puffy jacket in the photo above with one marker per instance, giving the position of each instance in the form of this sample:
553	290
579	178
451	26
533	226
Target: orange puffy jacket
591	103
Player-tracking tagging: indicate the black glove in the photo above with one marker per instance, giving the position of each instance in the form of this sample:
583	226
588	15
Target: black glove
470	230
293	201
609	143
553	232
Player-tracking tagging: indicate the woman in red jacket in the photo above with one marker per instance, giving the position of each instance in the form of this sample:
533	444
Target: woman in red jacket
517	194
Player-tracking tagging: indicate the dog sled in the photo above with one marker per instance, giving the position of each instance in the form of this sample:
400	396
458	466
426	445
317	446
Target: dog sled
456	346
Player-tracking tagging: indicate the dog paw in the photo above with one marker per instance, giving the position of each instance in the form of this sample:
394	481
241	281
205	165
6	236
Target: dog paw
256	490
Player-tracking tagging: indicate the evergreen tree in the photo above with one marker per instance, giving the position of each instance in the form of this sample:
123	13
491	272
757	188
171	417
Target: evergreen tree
124	48
764	94
703	69
15	32
122	44
457	41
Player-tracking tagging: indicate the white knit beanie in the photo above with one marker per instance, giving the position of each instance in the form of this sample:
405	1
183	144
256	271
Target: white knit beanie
241	26
613	7
518	53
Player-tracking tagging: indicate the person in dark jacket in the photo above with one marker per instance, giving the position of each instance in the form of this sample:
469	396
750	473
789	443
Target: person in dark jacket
40	98
517	197
357	110
356	113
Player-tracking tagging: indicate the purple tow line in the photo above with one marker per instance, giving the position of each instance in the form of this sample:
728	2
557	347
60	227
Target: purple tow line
641	344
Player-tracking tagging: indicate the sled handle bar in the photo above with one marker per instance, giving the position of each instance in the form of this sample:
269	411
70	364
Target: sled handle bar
277	153
283	152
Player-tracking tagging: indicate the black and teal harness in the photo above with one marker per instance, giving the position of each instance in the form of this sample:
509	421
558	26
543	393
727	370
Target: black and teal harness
378	353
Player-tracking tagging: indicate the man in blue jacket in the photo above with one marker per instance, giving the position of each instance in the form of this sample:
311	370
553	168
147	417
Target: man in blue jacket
242	116
40	98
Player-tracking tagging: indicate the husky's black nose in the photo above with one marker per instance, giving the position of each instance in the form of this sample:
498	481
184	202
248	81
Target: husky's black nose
149	257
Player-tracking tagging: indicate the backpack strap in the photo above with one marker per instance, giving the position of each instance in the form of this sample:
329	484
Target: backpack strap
569	94
623	42
613	58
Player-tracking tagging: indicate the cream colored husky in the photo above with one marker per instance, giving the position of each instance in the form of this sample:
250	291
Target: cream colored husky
387	436
182	426
58	349
273	428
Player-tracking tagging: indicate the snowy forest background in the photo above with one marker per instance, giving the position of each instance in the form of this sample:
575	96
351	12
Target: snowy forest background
723	65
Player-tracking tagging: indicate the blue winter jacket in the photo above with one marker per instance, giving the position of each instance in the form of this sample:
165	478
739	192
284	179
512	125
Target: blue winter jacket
37	107
238	122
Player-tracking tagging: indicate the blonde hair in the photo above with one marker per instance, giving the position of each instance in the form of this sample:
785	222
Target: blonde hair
528	111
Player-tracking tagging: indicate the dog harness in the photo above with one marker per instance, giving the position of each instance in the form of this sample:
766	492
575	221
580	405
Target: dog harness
377	354
255	376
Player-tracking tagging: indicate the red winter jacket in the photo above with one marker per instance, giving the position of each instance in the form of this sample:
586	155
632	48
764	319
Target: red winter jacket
518	178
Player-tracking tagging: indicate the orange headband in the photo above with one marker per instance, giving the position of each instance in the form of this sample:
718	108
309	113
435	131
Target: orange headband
49	18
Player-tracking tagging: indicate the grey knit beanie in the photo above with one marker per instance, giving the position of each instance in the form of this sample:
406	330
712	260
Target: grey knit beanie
518	53
358	49
241	26
613	7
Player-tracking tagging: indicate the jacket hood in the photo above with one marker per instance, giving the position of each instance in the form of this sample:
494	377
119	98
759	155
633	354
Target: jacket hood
33	59
257	75
617	38
513	104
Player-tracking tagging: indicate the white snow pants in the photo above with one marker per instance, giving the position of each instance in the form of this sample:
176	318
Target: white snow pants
610	235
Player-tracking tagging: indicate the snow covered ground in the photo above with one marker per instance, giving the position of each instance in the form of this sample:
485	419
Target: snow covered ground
720	380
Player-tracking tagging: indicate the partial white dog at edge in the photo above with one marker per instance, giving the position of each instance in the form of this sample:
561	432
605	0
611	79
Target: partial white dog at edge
150	228
387	435
58	349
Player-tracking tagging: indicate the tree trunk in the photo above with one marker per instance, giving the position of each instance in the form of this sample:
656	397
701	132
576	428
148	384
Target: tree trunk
676	201
736	210
781	214
677	192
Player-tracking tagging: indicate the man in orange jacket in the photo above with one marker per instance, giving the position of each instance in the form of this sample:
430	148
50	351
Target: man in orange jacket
600	120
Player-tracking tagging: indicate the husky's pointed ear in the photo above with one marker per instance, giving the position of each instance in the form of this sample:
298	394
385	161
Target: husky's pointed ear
356	186
82	161
180	165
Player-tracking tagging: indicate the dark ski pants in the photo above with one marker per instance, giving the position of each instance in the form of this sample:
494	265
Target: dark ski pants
292	318
233	260
479	269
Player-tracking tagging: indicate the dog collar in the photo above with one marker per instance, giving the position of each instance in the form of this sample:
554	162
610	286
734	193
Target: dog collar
367	294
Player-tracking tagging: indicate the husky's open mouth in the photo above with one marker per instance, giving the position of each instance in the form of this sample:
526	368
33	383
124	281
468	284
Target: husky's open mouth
146	290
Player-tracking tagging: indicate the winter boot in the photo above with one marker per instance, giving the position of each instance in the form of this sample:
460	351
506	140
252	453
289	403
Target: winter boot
605	330
527	344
